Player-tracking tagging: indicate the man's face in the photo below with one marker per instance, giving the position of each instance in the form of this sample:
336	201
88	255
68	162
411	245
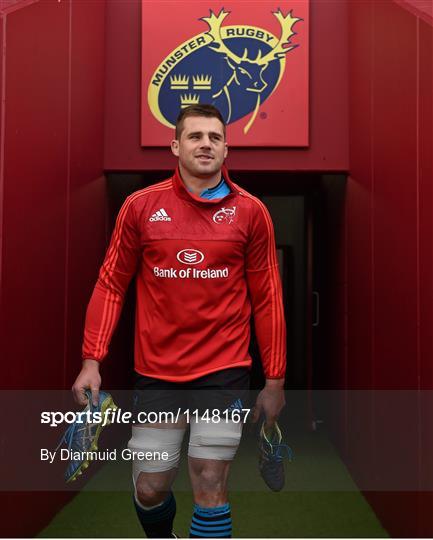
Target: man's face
201	147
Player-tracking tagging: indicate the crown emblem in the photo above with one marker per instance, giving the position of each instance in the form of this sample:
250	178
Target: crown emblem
179	82
202	82
189	99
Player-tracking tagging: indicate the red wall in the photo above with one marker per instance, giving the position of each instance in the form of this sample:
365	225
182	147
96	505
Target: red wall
386	294
328	98
52	201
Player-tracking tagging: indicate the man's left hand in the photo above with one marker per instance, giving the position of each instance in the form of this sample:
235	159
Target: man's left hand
270	401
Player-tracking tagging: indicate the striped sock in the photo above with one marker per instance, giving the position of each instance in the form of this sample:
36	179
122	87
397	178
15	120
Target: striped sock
211	522
157	522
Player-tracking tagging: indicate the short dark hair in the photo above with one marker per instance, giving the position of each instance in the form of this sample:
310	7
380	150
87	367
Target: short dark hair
207	110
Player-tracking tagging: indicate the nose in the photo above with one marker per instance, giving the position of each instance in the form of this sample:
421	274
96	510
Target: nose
259	85
205	142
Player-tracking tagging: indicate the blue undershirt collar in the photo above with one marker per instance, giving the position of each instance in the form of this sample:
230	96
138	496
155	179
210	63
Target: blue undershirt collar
217	192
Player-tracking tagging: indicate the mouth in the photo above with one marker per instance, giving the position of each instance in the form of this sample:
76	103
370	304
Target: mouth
205	158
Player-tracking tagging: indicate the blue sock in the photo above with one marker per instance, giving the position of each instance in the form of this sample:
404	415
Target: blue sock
157	522
211	522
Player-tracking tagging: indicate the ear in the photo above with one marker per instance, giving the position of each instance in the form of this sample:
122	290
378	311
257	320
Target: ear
226	149
175	147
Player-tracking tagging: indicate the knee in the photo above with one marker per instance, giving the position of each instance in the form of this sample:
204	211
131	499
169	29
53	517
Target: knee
210	486
211	481
149	494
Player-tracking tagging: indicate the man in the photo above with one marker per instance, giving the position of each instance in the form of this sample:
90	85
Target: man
204	254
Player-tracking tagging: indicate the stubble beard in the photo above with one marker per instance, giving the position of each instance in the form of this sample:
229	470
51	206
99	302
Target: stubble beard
204	171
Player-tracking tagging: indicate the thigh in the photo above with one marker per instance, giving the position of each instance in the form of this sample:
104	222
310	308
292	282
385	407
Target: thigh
155	444
215	432
214	439
211	450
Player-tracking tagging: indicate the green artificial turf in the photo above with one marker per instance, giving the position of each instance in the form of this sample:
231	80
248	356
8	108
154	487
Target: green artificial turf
320	499
268	515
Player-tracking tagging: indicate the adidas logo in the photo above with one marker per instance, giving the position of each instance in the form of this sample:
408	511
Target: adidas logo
160	215
235	406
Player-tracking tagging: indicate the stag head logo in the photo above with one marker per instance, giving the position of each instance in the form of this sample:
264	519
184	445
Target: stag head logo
236	68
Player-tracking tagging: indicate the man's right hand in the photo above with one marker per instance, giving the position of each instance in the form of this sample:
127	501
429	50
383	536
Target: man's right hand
88	378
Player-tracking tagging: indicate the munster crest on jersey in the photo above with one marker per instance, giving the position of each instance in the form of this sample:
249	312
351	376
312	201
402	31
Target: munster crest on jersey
236	67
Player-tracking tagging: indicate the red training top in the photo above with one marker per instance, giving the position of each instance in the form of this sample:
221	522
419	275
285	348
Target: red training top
203	266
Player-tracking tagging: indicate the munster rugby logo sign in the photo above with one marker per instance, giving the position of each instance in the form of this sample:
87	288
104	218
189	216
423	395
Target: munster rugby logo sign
236	67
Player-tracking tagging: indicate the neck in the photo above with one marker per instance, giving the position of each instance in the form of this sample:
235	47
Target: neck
197	184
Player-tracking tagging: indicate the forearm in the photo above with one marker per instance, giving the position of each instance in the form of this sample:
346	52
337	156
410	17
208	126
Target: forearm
270	401
275	384
90	363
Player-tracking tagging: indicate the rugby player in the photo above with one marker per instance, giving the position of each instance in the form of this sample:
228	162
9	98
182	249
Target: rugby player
203	252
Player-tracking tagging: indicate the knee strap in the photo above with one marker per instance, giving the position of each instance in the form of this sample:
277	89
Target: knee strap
209	440
146	439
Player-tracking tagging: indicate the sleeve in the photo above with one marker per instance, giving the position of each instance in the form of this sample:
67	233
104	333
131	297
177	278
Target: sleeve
120	264
264	287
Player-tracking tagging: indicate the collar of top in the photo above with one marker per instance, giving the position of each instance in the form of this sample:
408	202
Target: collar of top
183	193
